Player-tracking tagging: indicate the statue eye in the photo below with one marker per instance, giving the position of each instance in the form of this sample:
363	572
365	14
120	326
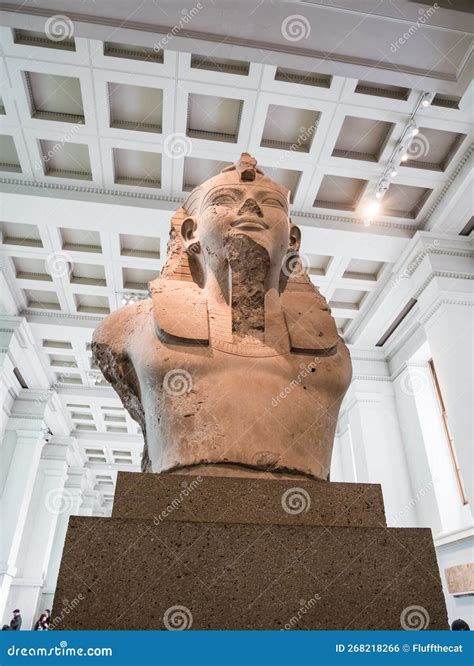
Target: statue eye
270	201
223	200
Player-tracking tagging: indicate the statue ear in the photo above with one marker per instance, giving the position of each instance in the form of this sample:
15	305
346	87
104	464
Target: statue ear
188	235
295	238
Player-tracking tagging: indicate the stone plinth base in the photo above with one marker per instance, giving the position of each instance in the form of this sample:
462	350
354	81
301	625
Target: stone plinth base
213	553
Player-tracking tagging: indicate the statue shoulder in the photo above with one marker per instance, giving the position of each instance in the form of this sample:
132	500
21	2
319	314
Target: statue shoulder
116	331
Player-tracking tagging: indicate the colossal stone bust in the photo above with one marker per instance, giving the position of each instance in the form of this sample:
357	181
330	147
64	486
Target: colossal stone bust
234	364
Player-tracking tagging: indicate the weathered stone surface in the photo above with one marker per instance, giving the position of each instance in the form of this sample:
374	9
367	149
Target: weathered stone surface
134	574
235	359
290	501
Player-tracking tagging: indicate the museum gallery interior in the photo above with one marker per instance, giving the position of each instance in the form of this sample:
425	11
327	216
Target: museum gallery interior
236	314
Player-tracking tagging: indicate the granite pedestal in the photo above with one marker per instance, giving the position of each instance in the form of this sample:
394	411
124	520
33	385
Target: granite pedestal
197	552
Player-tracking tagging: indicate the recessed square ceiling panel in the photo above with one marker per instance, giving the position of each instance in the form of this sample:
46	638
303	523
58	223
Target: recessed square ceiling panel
362	139
66	160
132	52
27	235
223	65
197	170
135	107
303	78
147	247
55	97
214	118
288	128
339	192
348	299
92	304
81	240
318	263
8	156
362	269
286	177
432	149
93	274
137	167
404	200
138	278
42	300
42	40
27	268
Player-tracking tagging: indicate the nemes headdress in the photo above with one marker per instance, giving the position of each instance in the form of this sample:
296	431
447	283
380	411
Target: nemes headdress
245	170
180	304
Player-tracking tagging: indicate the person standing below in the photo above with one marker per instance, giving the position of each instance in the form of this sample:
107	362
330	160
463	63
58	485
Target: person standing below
42	624
15	624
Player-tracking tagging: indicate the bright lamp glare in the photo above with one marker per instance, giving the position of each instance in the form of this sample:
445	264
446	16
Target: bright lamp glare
404	157
372	208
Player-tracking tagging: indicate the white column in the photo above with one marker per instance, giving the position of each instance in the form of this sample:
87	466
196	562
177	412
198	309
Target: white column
449	331
16	497
78	479
377	443
47	503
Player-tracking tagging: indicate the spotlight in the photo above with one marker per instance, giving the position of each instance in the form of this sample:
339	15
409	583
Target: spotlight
393	171
404	157
372	208
412	129
427	99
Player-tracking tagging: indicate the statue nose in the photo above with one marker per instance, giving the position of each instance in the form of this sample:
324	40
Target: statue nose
250	206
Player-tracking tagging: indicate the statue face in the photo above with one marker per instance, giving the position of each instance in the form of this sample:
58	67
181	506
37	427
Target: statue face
255	211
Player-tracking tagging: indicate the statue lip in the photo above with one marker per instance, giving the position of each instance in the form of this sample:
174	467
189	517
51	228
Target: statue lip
250	223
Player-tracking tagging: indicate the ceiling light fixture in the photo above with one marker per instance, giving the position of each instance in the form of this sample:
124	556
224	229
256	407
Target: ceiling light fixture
427	99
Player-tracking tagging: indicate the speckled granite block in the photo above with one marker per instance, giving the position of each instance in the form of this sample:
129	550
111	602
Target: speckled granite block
228	500
122	573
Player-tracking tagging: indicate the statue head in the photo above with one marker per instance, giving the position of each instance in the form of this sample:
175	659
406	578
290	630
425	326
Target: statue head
239	202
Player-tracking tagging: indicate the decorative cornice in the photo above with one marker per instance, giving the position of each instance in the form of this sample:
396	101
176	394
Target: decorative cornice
91	190
180	200
442	274
460	166
424	319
